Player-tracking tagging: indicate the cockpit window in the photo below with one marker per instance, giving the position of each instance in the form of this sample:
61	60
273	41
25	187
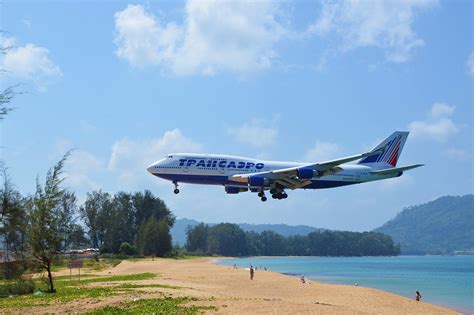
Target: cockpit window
170	156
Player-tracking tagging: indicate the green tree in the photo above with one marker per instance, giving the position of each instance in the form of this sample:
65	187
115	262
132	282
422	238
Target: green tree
147	205
196	238
95	212
127	249
66	214
120	224
154	237
77	237
44	237
227	239
13	227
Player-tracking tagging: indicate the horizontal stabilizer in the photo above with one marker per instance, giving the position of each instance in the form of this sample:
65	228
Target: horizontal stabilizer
396	169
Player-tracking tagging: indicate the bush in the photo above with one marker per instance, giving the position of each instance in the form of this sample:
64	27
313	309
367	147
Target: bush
17	287
127	249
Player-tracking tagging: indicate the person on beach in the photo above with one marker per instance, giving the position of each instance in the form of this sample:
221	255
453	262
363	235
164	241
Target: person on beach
303	281
418	296
251	272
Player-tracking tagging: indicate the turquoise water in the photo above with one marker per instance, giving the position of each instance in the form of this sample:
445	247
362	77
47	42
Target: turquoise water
442	280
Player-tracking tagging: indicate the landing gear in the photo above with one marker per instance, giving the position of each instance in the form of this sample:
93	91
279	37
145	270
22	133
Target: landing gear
264	198
261	194
279	195
176	190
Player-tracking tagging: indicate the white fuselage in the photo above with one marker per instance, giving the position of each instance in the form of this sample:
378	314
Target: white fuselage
213	169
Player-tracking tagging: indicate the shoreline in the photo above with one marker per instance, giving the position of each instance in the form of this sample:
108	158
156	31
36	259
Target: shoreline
309	278
230	291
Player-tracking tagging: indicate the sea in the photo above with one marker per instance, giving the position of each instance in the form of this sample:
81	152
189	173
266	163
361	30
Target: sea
441	280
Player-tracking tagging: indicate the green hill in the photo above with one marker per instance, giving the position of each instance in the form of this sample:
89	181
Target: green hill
442	226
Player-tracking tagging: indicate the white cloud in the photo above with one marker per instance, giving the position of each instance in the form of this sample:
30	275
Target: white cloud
130	158
141	39
257	133
322	151
382	24
439	110
438	125
470	64
125	168
216	36
78	168
29	62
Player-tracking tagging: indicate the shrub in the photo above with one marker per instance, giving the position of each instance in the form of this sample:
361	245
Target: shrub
127	249
17	287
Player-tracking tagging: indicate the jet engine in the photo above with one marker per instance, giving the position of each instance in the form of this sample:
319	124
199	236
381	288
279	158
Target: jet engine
306	172
258	181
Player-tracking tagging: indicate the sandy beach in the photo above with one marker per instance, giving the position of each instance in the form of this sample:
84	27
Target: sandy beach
232	292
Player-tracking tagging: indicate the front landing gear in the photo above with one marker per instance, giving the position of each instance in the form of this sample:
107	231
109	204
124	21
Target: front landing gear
176	190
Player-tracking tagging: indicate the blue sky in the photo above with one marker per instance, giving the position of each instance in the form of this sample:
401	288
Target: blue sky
126	83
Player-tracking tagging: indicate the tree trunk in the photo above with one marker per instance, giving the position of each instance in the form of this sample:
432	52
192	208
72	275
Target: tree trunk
50	276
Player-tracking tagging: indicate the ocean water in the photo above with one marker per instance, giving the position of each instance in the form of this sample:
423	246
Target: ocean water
442	280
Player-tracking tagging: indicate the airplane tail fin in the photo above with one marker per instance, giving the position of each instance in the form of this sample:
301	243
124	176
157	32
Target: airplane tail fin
390	148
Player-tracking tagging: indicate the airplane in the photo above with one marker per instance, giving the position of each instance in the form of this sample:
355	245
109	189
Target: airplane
240	174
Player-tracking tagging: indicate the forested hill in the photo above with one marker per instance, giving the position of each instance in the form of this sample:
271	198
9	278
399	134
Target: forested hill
178	232
442	226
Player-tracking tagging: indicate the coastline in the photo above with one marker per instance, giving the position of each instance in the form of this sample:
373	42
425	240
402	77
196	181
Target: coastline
231	291
459	309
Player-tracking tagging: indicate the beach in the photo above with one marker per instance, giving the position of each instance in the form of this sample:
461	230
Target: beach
232	292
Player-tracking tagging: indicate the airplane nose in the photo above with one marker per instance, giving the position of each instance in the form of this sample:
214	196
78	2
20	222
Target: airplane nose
150	168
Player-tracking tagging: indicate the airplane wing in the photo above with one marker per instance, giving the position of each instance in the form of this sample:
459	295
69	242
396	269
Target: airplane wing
288	177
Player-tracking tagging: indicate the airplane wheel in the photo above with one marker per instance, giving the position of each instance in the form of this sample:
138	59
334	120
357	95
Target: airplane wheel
176	191
285	196
260	194
264	198
274	196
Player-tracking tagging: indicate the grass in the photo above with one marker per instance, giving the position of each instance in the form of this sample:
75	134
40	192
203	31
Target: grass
164	305
68	291
138	286
75	290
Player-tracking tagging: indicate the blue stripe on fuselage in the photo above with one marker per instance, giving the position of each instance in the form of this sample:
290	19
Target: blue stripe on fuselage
223	180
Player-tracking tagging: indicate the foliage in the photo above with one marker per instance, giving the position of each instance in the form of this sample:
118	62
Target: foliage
165	305
442	226
147	218
13	228
44	231
127	249
180	228
229	240
88	288
154	237
16	287
66	215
